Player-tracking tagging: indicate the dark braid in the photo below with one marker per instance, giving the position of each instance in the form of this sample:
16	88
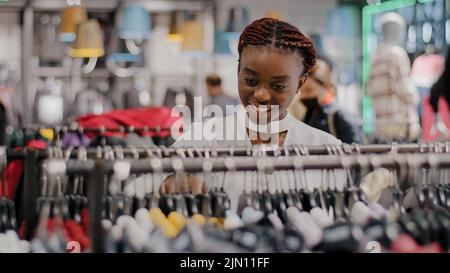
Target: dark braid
271	32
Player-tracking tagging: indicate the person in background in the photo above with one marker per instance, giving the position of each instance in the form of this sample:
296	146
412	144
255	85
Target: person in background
216	94
318	98
441	89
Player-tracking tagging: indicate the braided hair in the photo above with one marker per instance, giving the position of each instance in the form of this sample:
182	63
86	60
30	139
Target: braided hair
270	32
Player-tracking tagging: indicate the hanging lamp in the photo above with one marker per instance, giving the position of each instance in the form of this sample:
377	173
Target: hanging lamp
71	18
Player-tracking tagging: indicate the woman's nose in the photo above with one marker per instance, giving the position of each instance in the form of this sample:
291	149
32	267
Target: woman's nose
262	94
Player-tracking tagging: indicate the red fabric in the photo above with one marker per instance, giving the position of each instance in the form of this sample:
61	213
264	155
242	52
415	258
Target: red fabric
76	233
139	118
14	171
428	120
406	244
85	223
37	144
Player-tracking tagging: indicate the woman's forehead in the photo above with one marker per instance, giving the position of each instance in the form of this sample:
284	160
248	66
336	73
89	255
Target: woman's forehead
271	59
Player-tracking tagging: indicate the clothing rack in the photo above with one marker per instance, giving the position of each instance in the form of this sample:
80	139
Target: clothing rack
96	168
190	152
100	129
99	168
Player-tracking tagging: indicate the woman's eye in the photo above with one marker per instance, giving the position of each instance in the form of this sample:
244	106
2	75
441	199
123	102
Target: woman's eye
250	82
279	87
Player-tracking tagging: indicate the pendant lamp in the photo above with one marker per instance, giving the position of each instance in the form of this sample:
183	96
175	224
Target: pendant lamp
238	19
71	18
192	36
221	45
136	23
174	28
89	41
275	14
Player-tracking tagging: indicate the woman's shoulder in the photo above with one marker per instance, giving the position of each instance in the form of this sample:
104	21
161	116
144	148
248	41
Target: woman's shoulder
302	133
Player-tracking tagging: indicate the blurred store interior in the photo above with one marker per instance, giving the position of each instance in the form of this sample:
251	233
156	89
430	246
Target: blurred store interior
149	53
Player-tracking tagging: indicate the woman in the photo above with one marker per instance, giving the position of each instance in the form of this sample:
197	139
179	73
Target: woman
274	61
322	112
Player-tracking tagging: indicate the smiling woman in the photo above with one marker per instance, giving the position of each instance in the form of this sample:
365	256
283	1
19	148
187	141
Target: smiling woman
274	61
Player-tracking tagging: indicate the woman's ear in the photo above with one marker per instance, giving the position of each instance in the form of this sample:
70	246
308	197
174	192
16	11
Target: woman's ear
239	68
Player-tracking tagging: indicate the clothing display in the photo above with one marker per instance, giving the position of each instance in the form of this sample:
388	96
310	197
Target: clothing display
334	135
394	97
276	213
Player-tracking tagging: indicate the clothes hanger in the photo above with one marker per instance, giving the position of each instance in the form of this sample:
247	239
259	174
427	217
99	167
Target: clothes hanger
426	188
127	200
216	210
264	195
204	198
8	209
189	198
150	198
62	182
292	198
278	204
167	201
296	191
74	199
137	201
441	192
180	203
305	194
108	212
278	201
352	194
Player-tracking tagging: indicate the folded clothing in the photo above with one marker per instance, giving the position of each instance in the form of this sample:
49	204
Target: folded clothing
154	117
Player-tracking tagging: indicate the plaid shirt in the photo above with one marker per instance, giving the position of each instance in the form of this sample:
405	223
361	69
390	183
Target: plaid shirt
394	97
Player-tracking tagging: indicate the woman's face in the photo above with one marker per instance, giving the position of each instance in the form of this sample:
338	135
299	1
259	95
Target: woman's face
269	77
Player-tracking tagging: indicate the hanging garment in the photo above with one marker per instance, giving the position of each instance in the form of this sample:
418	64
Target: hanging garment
74	140
139	118
440	88
394	97
373	184
425	71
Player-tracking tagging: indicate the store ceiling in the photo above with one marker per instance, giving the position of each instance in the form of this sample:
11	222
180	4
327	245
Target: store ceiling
105	5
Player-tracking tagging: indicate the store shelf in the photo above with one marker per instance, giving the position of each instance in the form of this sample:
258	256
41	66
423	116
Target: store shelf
65	72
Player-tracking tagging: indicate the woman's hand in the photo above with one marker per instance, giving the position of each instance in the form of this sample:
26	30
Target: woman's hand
178	183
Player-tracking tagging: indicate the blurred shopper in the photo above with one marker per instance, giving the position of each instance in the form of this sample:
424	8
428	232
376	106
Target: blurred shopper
318	97
216	94
394	96
441	89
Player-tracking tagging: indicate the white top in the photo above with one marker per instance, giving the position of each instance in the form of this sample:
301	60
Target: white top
234	133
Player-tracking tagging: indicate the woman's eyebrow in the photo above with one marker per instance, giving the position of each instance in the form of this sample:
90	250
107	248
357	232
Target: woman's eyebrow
250	71
281	77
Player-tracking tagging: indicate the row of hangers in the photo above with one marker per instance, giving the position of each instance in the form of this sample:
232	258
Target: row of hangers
8	220
216	202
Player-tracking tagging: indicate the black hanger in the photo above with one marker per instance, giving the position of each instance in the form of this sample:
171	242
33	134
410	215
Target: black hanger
220	202
151	198
4	222
12	214
278	199
306	199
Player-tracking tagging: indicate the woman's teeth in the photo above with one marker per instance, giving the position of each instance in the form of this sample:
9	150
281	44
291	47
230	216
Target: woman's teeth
262	109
